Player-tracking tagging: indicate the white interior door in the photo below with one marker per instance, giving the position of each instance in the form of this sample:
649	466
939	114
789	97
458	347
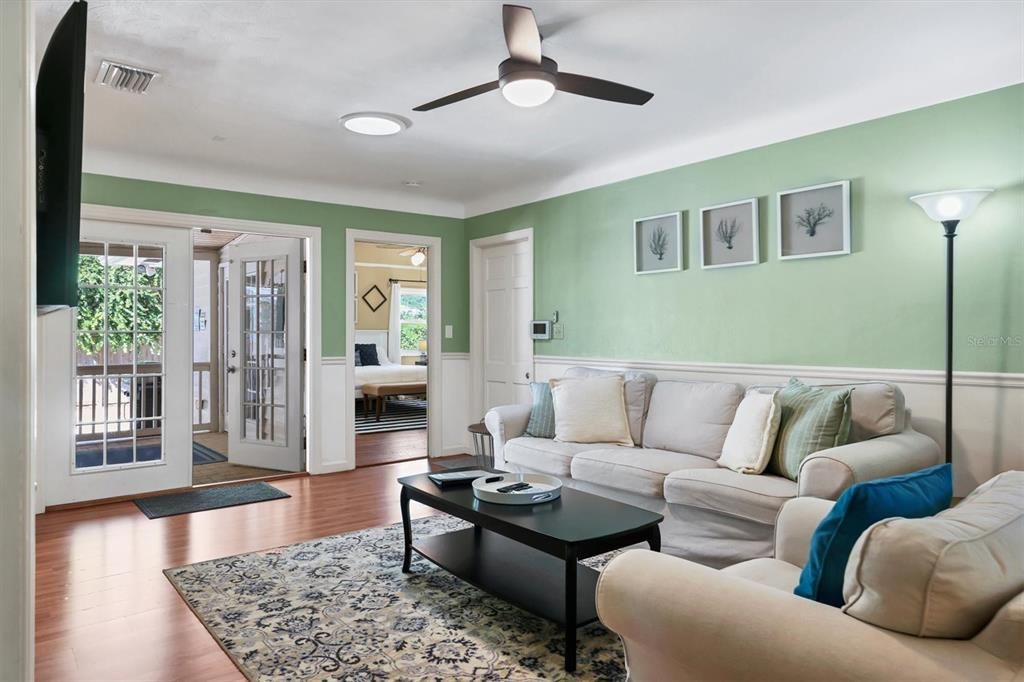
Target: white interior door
507	274
264	363
130	351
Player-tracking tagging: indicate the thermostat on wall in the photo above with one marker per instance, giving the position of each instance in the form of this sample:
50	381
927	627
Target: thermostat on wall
540	330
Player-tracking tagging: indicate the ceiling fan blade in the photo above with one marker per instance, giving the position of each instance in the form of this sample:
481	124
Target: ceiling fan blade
407	252
458	96
521	33
602	89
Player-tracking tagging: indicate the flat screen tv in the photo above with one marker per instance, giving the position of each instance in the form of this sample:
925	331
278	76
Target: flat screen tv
60	95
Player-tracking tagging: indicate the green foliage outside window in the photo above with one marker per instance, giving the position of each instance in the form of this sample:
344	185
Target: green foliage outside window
147	320
413	314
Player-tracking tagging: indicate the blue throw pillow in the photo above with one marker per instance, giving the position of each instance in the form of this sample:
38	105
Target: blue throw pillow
917	495
542	414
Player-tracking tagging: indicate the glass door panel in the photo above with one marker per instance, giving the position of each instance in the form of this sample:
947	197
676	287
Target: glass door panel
119	371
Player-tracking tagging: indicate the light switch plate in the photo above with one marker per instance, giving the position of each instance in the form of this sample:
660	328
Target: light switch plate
448	333
557	331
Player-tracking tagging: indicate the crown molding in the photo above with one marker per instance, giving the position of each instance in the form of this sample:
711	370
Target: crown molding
177	172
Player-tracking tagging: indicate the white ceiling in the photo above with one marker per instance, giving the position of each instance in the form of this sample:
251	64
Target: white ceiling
250	92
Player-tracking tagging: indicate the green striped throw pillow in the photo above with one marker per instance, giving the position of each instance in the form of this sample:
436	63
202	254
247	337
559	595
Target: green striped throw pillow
542	414
813	419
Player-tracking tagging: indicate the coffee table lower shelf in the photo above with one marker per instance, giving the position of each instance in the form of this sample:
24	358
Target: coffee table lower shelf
521	575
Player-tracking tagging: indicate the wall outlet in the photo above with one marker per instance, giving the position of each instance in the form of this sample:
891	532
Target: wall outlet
448	333
557	331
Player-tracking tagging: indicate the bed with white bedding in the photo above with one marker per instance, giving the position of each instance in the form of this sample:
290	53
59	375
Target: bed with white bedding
387	372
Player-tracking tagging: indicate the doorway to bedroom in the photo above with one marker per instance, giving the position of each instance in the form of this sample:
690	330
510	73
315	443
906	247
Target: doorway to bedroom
390	353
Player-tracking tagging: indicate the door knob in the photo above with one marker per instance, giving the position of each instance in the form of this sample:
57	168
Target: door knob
232	369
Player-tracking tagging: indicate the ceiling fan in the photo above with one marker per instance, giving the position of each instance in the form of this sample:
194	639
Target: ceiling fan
529	79
416	254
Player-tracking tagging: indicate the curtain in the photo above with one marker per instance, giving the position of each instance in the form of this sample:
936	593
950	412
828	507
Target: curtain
395	325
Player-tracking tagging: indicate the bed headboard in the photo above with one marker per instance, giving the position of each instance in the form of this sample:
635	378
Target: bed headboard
376	336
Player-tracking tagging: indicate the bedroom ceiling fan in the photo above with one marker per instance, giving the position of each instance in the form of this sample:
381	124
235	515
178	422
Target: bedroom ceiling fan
416	254
529	79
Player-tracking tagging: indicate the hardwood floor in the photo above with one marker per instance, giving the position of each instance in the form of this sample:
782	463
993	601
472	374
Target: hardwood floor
105	611
390	446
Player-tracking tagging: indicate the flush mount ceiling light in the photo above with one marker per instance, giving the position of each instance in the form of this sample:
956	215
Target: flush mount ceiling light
374	123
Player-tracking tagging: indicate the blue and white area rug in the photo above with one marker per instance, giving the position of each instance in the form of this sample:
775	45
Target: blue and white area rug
340	608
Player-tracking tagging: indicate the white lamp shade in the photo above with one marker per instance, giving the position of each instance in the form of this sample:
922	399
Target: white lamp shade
952	205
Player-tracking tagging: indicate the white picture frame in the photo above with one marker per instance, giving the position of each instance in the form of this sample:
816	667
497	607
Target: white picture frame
794	232
743	215
648	256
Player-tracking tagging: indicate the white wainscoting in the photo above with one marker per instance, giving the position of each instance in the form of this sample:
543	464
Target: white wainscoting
988	407
456	417
337	417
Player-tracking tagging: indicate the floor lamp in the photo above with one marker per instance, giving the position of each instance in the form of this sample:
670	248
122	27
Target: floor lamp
949	208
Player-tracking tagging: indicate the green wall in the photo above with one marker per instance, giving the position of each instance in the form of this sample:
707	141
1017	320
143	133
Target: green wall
882	306
332	218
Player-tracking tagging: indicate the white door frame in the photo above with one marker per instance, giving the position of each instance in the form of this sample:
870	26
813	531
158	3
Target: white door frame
315	425
476	306
434	326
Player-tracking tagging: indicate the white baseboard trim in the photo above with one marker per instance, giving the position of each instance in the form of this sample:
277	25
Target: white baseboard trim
333	360
902	376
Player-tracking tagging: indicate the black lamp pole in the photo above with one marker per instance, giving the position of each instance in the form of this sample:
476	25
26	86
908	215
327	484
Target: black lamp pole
950	228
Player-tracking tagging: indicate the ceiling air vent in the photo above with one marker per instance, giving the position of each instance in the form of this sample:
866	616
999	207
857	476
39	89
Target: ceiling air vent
124	77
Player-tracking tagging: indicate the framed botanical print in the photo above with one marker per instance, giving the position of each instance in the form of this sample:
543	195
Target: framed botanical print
658	244
729	235
814	221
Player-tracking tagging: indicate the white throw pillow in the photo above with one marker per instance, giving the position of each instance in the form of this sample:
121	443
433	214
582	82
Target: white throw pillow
943	576
749	442
590	410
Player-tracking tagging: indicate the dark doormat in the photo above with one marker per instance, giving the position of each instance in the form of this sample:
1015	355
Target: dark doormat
208	498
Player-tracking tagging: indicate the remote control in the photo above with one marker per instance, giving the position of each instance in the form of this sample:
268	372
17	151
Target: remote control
513	487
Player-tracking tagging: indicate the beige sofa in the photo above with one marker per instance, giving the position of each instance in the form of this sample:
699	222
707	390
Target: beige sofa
682	621
713	515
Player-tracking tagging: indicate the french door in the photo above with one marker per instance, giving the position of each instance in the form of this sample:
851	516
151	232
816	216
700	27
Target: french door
264	364
131	350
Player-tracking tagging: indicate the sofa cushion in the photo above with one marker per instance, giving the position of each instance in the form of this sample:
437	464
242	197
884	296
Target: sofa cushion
943	576
771	572
751	438
544	455
757	498
877	408
913	495
636	391
640	471
542	412
590	410
813	419
691	417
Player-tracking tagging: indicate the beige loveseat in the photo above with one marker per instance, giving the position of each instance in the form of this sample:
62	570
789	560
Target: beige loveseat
682	621
713	515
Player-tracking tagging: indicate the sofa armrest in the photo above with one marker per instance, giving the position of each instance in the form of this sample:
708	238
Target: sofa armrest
679	620
795	525
505	423
828	473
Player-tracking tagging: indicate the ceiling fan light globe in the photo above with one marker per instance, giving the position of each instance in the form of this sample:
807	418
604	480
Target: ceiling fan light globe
528	92
418	258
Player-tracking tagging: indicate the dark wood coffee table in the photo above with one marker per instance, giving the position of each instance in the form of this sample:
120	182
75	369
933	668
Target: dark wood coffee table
528	555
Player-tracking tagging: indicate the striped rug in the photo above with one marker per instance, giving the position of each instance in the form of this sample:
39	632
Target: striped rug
401	415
